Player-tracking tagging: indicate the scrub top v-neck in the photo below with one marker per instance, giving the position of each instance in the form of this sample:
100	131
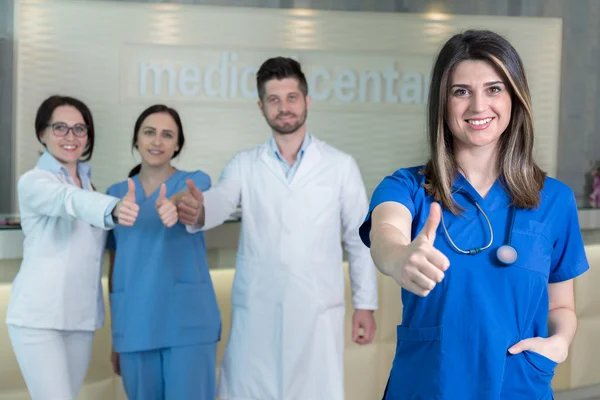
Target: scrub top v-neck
162	291
453	344
140	193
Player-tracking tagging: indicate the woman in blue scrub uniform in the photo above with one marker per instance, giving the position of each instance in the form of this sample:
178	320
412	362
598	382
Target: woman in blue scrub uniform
484	245
165	317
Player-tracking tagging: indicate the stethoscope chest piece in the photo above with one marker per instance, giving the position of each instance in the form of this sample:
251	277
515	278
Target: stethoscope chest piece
506	254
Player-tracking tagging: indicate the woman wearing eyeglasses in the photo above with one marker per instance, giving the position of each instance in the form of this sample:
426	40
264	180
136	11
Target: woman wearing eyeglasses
56	301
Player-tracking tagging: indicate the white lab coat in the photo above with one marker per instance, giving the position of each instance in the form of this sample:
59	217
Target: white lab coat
59	283
287	340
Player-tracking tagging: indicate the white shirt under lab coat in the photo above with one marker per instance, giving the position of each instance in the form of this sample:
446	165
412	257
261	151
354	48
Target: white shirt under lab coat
287	339
58	285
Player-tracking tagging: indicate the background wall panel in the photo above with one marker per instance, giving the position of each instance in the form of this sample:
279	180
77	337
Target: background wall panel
579	137
114	63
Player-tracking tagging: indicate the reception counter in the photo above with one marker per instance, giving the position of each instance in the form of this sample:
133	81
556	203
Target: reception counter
366	367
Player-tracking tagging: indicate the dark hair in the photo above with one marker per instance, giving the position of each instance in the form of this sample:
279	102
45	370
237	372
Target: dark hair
44	115
155	109
518	171
280	68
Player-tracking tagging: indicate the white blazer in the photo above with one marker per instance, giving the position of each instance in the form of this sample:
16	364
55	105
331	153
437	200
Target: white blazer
287	338
58	285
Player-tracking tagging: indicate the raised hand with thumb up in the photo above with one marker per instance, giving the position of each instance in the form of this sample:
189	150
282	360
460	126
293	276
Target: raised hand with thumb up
165	208
190	207
422	266
127	210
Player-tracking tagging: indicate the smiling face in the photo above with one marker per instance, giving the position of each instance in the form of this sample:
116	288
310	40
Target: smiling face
284	106
157	139
65	137
479	105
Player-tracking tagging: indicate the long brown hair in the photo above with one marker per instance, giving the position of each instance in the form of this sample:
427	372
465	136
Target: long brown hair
518	171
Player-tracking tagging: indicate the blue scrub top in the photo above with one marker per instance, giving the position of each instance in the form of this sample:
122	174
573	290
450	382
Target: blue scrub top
453	344
162	290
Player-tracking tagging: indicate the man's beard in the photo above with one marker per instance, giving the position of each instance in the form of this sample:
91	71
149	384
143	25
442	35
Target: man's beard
287	128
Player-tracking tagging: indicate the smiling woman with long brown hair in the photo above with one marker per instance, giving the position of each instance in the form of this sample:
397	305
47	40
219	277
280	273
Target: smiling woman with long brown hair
484	246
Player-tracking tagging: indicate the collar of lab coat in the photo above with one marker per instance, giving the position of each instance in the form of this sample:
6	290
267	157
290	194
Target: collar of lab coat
310	159
49	163
305	143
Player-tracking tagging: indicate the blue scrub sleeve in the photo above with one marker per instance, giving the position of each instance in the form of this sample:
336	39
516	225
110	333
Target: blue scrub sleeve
568	255
399	187
201	180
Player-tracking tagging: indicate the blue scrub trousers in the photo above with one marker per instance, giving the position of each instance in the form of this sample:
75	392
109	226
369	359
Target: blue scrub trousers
175	373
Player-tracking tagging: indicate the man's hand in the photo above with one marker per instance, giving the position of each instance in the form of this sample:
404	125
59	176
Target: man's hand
363	319
190	207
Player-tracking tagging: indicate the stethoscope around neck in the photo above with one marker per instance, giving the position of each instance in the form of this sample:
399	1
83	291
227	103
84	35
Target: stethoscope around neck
506	253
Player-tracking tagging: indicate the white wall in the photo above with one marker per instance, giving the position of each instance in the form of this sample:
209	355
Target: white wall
103	64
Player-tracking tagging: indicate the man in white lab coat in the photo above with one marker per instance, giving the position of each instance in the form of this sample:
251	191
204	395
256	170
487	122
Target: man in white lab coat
300	199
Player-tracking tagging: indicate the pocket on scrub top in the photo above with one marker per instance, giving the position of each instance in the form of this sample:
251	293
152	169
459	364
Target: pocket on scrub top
528	375
416	371
117	313
192	305
540	362
534	251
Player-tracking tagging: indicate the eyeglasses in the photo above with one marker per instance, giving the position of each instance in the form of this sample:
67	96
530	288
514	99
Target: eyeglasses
60	129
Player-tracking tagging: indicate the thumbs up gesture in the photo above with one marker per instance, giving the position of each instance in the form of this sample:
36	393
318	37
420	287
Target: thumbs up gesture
165	208
422	266
127	210
191	205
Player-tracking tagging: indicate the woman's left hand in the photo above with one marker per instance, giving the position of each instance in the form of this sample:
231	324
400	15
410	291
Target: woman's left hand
166	209
556	348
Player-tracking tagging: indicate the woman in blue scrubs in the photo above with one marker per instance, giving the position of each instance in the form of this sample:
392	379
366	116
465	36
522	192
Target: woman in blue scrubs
165	317
484	245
